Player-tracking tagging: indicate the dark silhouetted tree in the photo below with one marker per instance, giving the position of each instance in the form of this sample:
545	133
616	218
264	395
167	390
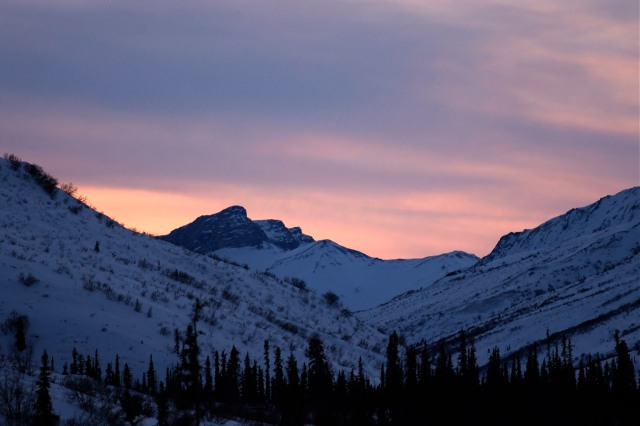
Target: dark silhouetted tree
43	409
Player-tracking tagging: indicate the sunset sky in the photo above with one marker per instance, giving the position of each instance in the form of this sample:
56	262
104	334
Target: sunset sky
402	128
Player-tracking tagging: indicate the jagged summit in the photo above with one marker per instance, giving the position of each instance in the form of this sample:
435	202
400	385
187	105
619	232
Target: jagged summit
232	228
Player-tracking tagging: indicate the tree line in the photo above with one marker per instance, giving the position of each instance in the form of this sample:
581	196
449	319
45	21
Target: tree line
417	385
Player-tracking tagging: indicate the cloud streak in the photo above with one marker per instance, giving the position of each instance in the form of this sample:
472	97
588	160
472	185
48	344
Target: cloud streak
402	128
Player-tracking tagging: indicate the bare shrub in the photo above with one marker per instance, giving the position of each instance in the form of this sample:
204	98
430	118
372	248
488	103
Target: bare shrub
14	160
42	178
96	400
331	298
69	188
75	209
28	279
17	397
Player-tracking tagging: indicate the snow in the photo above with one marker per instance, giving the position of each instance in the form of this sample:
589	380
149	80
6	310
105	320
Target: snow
578	274
86	299
360	281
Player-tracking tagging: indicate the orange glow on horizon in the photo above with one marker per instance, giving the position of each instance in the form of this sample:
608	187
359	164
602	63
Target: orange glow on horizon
429	224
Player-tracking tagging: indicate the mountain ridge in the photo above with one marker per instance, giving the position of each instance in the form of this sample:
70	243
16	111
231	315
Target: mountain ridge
231	228
85	281
577	274
360	281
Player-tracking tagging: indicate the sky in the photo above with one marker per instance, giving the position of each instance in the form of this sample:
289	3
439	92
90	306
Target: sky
402	128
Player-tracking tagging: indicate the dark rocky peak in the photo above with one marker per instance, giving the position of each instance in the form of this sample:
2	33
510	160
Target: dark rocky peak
229	228
232	228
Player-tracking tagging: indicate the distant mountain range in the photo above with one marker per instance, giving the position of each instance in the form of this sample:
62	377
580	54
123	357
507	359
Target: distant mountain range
576	275
86	282
268	245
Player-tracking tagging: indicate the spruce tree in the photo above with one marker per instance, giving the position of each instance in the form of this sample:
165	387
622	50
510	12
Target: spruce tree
425	367
291	404
208	378
278	377
97	369
74	361
116	372
232	379
267	369
462	354
162	404
43	409
623	384
108	375
320	381
319	373
126	377
151	377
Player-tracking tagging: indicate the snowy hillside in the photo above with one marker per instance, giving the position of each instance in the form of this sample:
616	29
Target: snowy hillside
360	281
577	274
84	281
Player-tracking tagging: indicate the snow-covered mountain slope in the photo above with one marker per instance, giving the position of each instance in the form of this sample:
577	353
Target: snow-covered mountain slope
360	281
84	281
577	274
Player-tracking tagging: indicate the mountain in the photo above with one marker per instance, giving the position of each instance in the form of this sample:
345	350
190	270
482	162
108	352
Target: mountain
231	228
360	281
576	275
84	281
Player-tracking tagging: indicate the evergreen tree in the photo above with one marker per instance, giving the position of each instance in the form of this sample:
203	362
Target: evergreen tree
623	378
151	377
162	404
97	369
88	369
495	376
43	409
176	341
247	381
425	367
320	382
208	378
293	378
623	384
462	354
232	379
74	361
532	371
127	379
291	403
267	369
473	371
116	372
108	375
277	388
393	375
319	373
217	379
411	367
